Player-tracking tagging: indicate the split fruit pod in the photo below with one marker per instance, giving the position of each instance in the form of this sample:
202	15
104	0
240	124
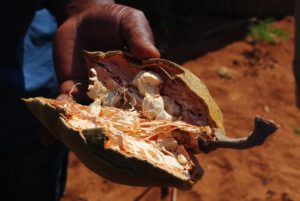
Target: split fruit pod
147	121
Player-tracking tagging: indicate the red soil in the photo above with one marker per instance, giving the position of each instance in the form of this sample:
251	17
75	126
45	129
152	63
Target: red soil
260	82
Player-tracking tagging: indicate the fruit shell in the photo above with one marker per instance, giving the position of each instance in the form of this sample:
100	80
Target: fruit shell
173	71
88	146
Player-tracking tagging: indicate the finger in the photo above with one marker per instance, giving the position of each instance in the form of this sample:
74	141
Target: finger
69	61
136	32
75	90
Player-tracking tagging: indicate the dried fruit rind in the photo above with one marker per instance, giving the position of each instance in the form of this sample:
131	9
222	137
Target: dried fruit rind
129	135
86	144
171	71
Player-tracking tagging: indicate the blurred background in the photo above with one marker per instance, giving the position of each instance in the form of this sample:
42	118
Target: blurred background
204	25
243	51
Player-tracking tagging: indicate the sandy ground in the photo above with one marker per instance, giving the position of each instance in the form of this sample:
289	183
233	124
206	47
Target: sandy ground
259	81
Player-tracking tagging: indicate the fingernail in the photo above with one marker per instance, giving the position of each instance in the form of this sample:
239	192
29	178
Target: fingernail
154	51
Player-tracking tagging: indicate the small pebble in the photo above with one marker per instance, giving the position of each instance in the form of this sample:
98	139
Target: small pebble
266	109
224	72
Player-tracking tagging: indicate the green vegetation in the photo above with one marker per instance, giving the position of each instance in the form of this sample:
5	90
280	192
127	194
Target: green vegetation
263	31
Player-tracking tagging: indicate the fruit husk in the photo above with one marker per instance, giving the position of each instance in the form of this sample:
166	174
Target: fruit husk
119	167
88	147
169	71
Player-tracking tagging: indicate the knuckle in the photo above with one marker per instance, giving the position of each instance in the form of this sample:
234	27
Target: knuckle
135	12
140	13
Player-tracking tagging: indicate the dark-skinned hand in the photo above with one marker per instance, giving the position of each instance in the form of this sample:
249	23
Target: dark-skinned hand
101	27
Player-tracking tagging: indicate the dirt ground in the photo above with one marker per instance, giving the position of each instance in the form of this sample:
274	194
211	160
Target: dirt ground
245	80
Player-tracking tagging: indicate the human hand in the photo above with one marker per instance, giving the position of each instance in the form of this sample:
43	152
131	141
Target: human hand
100	27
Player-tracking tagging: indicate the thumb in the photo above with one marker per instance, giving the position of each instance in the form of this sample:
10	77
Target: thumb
136	32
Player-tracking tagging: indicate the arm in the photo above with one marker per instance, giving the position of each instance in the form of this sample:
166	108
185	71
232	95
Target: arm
96	25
